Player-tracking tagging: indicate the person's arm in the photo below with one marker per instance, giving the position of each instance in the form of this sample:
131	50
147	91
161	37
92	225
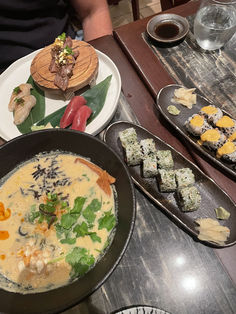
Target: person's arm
94	16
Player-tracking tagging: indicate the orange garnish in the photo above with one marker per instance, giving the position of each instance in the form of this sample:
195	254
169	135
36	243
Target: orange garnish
2	256
104	180
26	260
4	235
4	213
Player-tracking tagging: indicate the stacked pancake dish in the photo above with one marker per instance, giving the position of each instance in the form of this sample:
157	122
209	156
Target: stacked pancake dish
66	65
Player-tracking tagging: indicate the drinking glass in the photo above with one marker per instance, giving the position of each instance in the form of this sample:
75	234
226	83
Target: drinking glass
215	23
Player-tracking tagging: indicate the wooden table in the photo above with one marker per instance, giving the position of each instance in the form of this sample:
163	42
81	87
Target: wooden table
162	266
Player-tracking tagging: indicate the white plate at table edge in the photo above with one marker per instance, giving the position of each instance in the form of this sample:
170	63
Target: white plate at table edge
141	309
9	131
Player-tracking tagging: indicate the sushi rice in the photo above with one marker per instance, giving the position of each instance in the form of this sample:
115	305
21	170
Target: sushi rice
196	125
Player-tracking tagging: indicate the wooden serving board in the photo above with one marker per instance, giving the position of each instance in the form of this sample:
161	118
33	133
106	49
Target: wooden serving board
84	71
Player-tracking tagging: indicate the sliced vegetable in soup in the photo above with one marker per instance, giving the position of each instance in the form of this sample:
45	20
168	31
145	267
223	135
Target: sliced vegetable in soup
57	217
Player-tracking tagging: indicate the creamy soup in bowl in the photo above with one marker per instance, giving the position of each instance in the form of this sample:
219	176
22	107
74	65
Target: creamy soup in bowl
57	218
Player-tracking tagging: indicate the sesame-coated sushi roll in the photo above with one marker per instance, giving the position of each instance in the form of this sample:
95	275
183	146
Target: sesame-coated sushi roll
211	113
196	125
164	159
148	147
128	136
226	125
166	180
213	139
227	152
184	177
189	198
232	138
150	166
134	154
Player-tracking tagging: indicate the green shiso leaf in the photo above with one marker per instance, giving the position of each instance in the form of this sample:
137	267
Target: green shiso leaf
80	261
95	97
38	111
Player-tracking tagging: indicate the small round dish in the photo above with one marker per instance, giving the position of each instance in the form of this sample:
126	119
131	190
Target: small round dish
168	28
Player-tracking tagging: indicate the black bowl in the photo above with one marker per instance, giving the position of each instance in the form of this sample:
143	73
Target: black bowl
25	147
176	28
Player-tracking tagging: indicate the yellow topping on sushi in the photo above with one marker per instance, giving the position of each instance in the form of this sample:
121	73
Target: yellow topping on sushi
197	121
209	109
227	148
211	135
232	137
225	122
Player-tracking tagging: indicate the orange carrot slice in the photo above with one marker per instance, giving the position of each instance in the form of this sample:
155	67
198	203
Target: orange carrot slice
104	180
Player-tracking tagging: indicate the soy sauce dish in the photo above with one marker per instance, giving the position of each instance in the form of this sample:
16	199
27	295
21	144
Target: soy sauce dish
168	28
67	211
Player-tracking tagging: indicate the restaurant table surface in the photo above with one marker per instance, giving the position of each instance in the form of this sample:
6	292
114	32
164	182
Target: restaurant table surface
163	265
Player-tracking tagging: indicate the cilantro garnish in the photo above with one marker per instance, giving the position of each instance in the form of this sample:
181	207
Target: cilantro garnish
89	212
82	230
107	221
80	261
19	101
16	90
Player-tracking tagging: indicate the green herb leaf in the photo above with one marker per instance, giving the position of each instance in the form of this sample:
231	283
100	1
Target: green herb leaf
33	213
95	237
89	211
62	37
38	111
78	205
68	241
95	97
108	221
80	261
16	90
81	230
68	220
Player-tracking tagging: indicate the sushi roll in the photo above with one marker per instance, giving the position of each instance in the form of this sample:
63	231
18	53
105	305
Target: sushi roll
196	125
133	154
226	125
227	152
150	166
189	198
213	139
128	136
148	147
184	177
166	180
164	159
232	138
211	113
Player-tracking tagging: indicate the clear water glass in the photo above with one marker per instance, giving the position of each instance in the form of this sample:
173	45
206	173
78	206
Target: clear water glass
215	23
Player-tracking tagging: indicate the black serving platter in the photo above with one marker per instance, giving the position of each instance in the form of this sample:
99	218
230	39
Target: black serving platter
163	100
27	146
211	194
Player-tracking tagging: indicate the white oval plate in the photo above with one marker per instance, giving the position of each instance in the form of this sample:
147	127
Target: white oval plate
142	310
19	72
